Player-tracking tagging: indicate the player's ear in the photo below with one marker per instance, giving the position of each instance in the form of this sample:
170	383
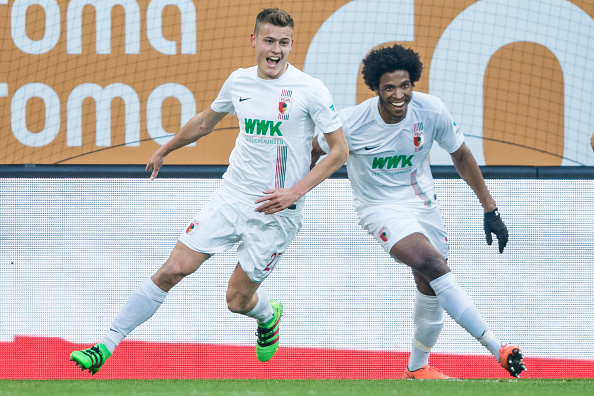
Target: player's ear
253	40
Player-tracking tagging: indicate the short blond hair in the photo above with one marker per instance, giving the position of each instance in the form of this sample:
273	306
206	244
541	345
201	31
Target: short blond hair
274	16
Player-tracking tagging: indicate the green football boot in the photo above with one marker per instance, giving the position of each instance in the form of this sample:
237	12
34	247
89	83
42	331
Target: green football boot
268	334
91	359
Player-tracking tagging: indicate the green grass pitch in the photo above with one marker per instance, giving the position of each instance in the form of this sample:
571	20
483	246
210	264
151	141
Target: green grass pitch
540	387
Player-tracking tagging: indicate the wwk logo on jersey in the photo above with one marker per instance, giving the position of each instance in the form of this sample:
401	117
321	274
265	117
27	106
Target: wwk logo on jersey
392	162
284	104
262	127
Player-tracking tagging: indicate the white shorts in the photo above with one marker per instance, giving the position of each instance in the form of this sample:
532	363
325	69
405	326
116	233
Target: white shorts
226	220
389	223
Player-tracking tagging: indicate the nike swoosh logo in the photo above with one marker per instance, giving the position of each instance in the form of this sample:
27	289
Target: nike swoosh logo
371	147
242	99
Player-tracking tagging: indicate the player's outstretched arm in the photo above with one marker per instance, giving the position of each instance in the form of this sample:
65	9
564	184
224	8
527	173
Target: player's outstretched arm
200	125
279	199
470	172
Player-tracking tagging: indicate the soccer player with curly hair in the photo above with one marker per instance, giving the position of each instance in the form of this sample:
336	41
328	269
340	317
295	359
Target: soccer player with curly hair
390	137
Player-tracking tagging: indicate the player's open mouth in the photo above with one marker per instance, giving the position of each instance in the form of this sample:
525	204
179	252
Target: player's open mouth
273	60
399	104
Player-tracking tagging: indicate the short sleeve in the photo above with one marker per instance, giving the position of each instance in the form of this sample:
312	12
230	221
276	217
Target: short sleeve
447	133
321	109
224	101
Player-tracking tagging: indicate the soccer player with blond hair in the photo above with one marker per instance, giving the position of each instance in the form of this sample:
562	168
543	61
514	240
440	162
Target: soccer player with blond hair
261	197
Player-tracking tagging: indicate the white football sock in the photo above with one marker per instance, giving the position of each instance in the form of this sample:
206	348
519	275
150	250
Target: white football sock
428	318
457	303
141	305
491	343
262	312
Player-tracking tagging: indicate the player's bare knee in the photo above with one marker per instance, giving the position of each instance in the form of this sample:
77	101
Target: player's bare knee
433	267
171	273
236	304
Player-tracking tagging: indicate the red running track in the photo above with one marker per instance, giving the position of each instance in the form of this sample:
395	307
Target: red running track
48	358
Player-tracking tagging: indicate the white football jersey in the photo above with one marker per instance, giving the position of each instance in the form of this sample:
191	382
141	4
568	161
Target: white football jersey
390	161
277	121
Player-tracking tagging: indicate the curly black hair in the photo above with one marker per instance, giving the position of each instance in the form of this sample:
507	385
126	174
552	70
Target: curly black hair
389	59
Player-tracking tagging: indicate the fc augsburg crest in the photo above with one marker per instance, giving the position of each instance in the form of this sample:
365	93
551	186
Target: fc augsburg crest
418	136
284	104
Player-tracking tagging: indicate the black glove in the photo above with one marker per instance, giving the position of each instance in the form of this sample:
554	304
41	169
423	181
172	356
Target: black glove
493	224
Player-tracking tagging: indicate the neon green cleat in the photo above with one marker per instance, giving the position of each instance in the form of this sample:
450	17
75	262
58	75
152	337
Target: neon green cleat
268	334
91	359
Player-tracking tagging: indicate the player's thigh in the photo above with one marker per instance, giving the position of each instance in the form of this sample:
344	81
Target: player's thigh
186	259
414	249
